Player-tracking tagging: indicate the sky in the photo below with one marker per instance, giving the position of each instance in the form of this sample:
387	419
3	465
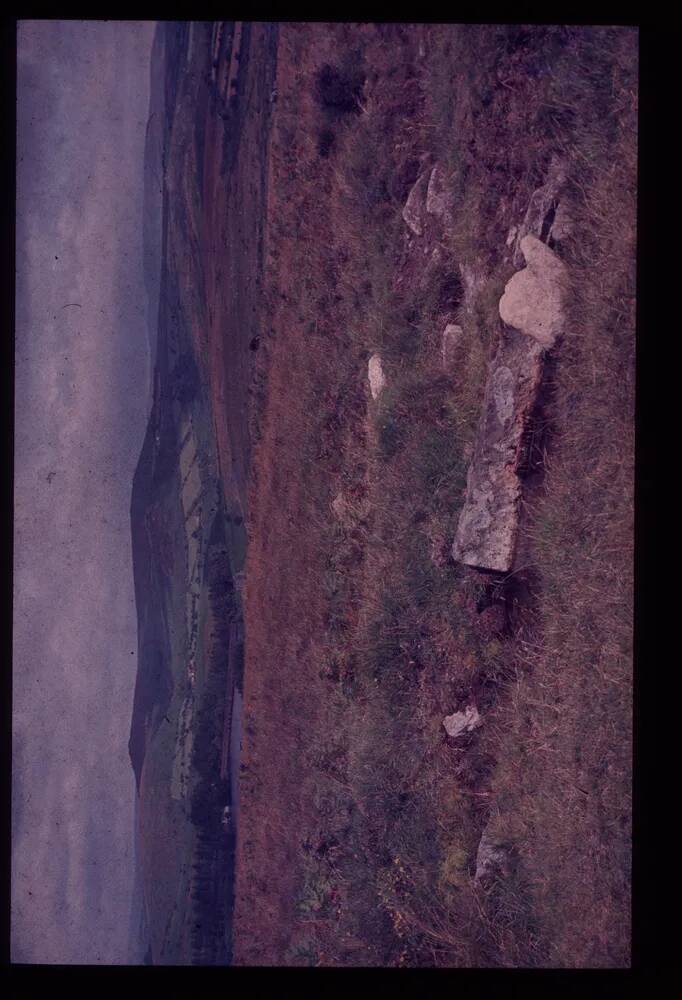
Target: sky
81	405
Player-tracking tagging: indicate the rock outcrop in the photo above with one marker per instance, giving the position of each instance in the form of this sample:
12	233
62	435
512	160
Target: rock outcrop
431	195
533	307
562	227
462	722
439	197
534	298
543	207
375	374
489	857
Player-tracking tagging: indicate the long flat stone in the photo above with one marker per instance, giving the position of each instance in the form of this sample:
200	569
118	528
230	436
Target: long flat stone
488	523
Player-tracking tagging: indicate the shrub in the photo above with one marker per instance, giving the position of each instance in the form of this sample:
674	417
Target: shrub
326	142
339	91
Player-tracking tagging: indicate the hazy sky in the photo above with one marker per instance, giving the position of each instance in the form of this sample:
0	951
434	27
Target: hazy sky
81	407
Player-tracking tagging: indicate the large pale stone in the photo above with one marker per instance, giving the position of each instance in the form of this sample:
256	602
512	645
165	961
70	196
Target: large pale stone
413	212
488	522
534	298
375	374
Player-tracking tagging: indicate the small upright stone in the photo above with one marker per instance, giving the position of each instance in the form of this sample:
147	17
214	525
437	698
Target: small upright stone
489	857
375	374
413	212
452	334
439	197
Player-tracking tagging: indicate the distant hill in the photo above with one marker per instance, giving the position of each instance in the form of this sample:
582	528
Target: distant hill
153	685
189	489
153	191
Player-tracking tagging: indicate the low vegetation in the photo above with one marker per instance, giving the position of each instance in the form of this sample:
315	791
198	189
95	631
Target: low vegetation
361	818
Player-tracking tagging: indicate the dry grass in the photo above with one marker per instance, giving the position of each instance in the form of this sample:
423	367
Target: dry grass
361	819
563	779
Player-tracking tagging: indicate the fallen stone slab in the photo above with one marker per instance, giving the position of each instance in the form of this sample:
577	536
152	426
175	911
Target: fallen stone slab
488	523
462	722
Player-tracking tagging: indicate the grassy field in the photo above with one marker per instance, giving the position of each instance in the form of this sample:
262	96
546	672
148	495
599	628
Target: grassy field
361	819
